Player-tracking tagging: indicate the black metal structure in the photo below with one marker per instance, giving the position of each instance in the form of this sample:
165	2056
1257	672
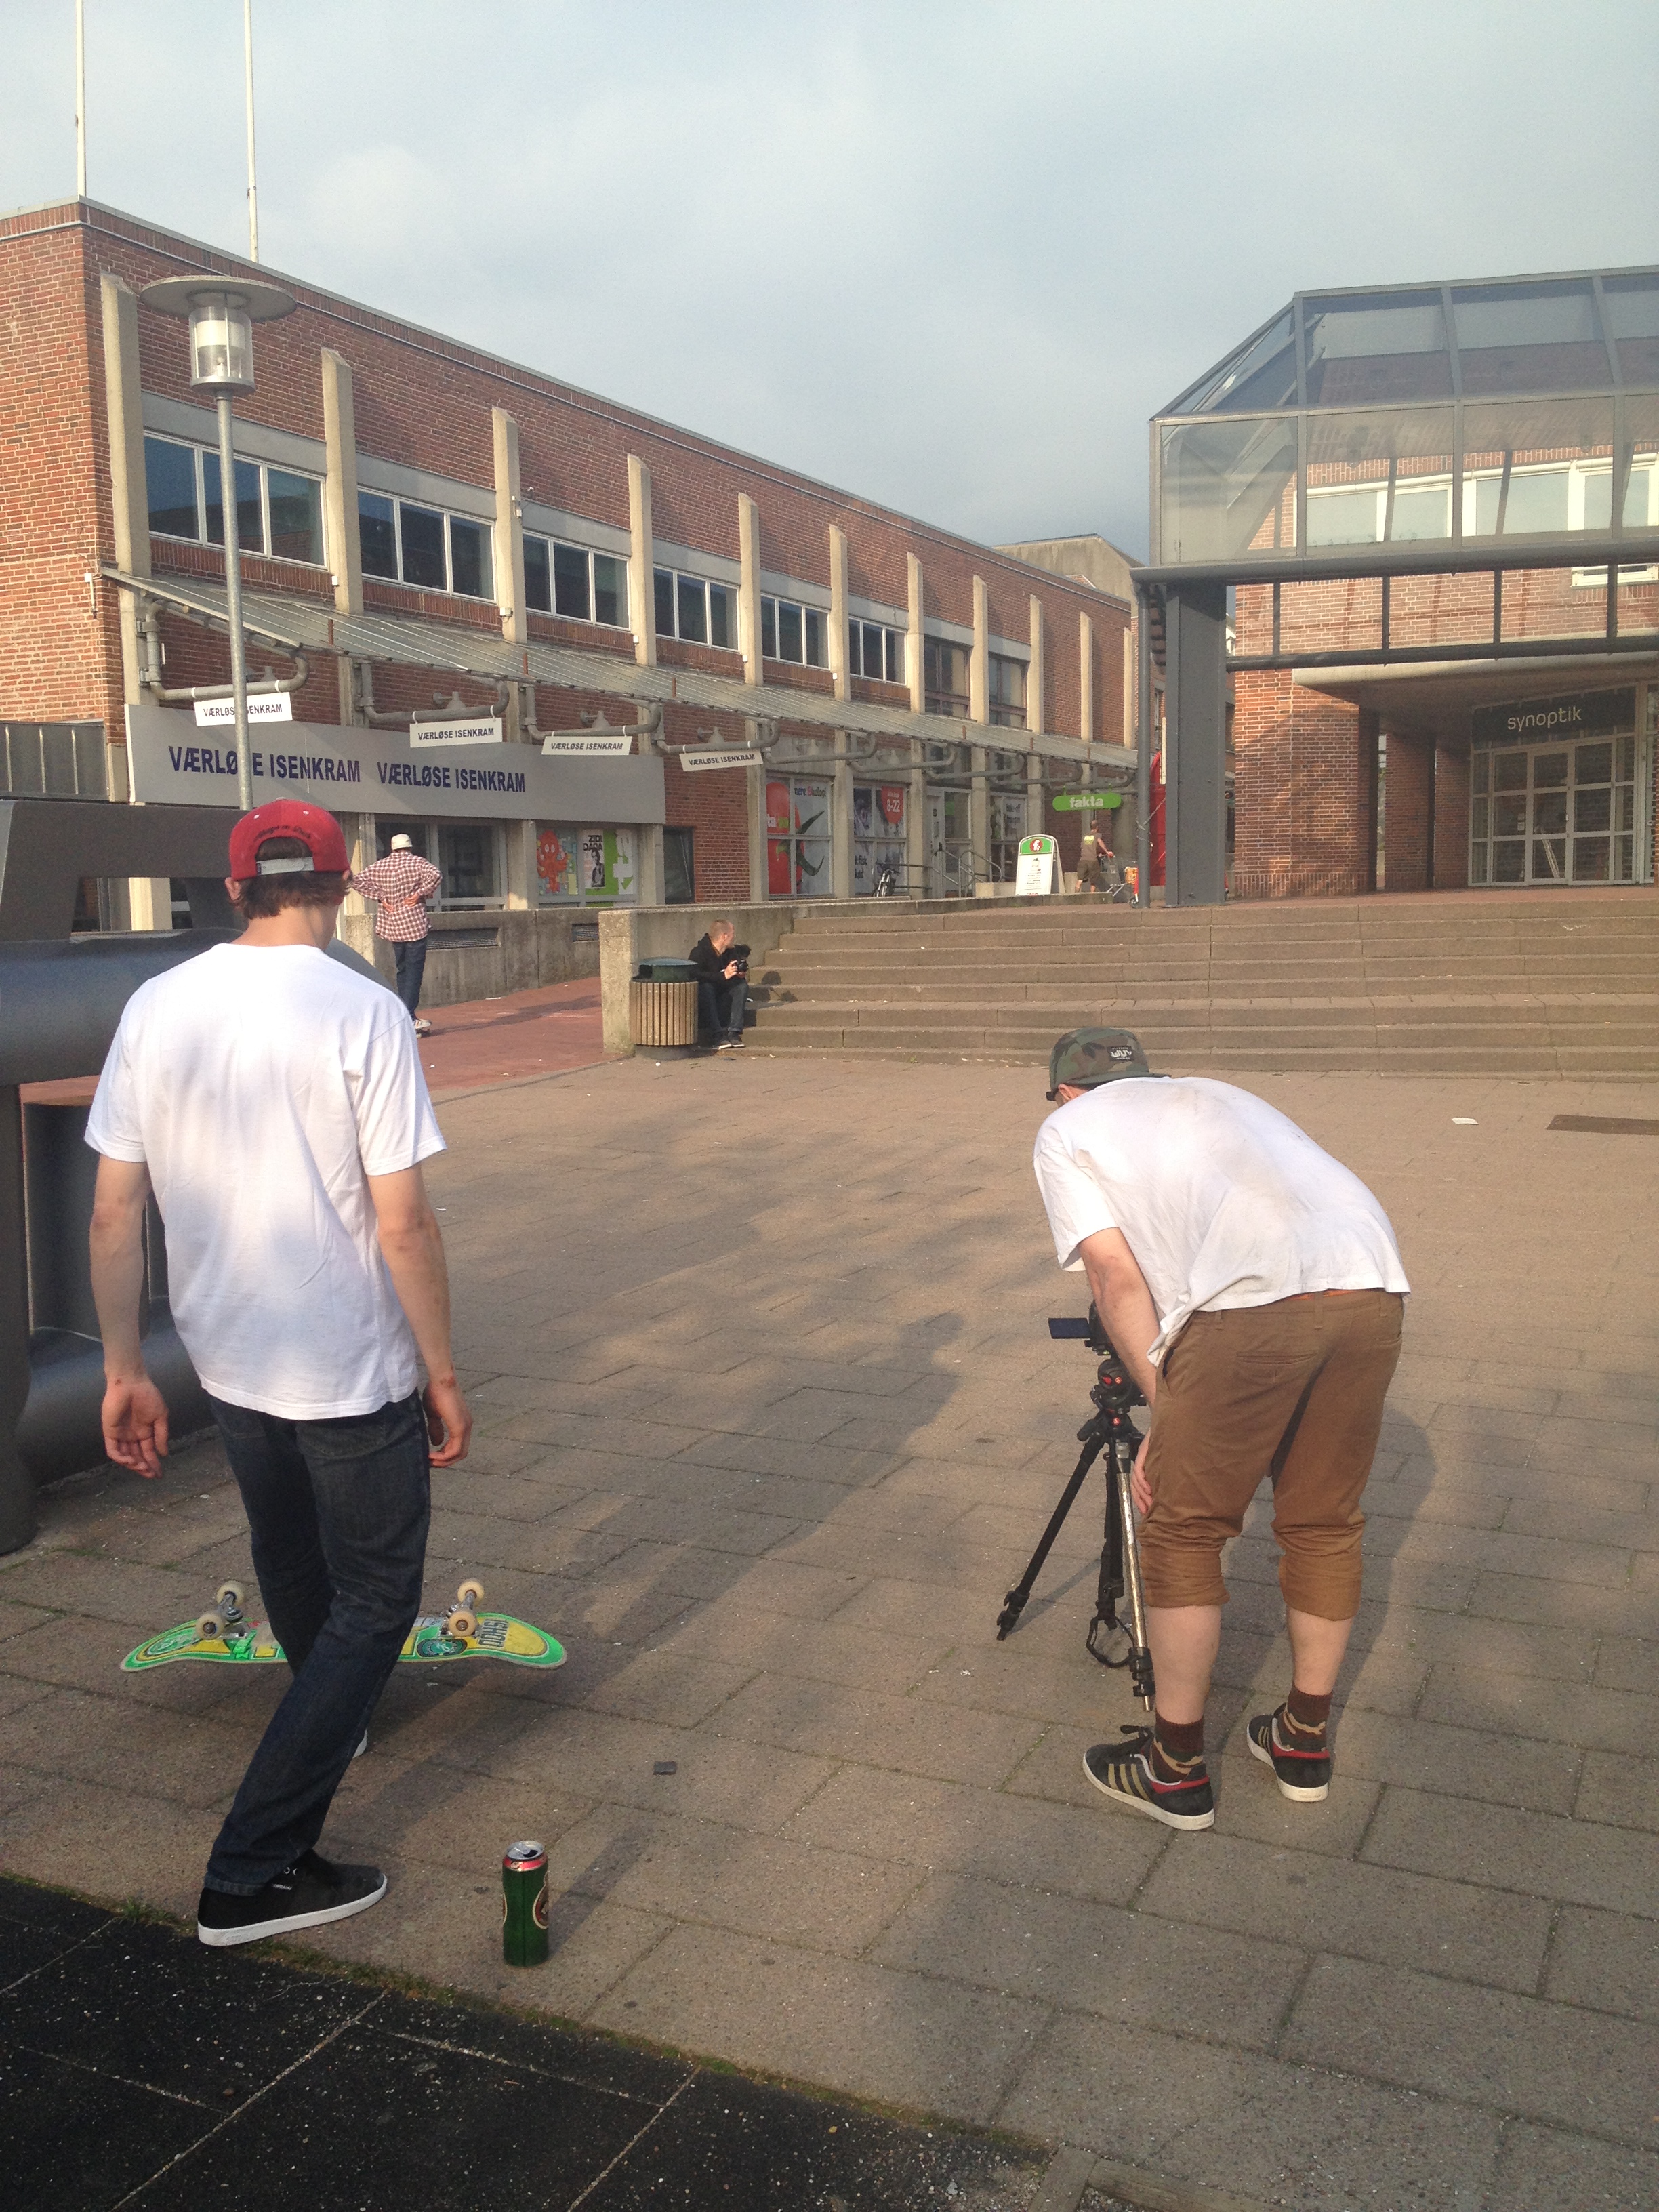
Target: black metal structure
1415	430
61	998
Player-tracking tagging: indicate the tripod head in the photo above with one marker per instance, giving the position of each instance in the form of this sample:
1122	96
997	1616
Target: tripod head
1116	1391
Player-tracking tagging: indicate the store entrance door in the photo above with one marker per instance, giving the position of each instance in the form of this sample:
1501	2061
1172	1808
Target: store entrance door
1554	814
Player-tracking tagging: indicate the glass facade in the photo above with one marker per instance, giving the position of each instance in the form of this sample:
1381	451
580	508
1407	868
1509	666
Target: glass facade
1456	413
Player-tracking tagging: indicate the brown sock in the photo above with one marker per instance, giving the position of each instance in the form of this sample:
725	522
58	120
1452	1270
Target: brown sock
1306	1714
1177	1748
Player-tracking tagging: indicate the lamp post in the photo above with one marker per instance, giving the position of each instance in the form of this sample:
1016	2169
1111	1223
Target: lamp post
221	315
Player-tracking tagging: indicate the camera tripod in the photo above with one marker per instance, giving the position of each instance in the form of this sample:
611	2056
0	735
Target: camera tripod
1115	1643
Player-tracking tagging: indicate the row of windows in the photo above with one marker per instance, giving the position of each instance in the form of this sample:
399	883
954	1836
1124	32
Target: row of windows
276	511
280	512
1557	497
420	545
570	580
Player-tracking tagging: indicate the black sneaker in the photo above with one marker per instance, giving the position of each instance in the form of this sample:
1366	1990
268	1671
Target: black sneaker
1304	1775
307	1894
1124	1771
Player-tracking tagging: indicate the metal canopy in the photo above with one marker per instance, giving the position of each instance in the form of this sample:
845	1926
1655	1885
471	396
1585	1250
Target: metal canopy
292	625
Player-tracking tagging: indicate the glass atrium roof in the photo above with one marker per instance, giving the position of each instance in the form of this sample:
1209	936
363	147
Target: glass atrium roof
1423	422
1523	337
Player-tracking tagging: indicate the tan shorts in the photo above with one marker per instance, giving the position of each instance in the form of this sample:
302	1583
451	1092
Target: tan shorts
1292	1392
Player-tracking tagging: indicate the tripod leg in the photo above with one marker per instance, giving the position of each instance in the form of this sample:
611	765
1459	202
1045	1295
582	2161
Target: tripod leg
1140	1658
1108	1640
1014	1604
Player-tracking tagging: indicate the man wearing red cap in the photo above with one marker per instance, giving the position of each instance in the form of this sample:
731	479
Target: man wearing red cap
271	1098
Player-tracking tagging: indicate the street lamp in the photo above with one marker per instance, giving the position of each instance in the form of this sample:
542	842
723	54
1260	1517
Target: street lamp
221	315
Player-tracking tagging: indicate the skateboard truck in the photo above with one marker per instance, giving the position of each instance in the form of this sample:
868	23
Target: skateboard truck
226	1615
462	1619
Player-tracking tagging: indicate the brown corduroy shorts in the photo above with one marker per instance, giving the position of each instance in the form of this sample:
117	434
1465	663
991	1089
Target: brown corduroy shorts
1293	1392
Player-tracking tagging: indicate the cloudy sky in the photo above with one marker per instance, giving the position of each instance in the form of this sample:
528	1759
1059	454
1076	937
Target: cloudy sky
951	256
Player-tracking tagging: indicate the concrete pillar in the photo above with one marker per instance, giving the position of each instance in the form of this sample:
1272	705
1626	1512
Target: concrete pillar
1085	679
359	832
345	549
647	863
519	879
1451	817
641	561
1195	773
508	534
916	876
149	901
754	781
749	590
1408	831
839	672
979	662
125	406
841	822
914	661
979	814
1036	812
1037	677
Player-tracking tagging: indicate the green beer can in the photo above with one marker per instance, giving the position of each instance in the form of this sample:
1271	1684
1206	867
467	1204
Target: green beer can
524	1906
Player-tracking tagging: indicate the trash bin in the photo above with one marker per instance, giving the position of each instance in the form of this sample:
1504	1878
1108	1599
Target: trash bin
662	1005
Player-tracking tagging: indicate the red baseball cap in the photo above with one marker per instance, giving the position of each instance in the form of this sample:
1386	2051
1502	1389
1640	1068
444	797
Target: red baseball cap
314	826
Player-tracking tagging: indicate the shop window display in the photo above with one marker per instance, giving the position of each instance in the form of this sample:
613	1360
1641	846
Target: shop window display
577	866
797	838
878	841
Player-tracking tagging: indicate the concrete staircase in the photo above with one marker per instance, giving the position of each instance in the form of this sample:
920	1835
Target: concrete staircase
1547	982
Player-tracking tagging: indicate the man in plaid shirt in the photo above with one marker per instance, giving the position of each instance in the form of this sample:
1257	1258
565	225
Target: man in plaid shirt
400	886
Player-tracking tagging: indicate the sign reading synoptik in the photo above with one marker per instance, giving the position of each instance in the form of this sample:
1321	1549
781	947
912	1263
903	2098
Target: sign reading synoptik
1544	721
354	771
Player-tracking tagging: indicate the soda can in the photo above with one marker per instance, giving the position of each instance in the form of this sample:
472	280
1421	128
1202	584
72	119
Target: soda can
524	1906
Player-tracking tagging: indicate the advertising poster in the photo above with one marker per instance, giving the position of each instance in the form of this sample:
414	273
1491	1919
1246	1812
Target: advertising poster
592	867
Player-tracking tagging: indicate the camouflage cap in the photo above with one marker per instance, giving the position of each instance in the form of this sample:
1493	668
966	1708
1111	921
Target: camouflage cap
1089	1058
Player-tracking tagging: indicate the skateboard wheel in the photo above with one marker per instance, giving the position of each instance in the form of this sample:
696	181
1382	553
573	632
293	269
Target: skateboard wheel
470	1594
461	1622
210	1625
229	1599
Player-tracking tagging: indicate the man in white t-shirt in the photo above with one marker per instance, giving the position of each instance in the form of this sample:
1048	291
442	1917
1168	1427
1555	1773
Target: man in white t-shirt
1253	1287
272	1100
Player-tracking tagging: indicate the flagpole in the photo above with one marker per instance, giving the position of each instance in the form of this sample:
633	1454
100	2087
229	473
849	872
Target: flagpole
252	178
80	99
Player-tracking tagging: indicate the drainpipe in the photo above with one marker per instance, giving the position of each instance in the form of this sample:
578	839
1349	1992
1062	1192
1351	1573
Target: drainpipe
188	694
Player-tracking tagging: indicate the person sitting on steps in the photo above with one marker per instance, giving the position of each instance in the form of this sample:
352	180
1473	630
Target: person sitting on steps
722	984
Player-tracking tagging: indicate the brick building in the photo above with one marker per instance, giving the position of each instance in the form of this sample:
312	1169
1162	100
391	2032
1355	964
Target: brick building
427	529
1406	505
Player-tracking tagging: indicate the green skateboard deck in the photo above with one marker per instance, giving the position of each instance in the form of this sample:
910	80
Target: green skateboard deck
250	1644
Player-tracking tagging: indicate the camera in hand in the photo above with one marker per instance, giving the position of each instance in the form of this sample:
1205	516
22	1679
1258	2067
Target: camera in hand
739	953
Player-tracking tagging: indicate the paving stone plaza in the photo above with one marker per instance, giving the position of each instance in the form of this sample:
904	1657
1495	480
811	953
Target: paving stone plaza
768	1421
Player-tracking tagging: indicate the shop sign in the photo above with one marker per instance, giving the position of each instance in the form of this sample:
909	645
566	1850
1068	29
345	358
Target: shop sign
262	707
707	757
1034	869
1080	802
1543	722
478	729
586	744
356	770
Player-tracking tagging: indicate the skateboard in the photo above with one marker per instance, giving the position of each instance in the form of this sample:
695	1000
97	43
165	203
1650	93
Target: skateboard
225	1633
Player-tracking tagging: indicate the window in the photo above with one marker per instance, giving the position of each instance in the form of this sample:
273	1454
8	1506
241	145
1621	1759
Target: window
1008	685
680	867
1555	813
424	546
468	853
692	609
798	839
879	827
945	668
792	632
1007	828
576	866
875	652
571	580
277	511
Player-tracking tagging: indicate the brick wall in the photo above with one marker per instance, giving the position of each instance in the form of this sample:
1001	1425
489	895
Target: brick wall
1305	791
1409	811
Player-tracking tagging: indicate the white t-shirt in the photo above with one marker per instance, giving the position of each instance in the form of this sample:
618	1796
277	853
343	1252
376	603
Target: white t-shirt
1222	1200
261	1084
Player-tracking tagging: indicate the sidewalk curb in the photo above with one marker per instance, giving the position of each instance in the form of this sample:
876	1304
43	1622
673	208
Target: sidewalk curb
1073	2171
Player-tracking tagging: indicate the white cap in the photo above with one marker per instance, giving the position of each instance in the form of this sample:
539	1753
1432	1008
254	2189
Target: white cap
400	843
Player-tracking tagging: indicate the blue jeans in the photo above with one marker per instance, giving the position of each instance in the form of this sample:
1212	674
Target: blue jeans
410	960
721	1006
337	1513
